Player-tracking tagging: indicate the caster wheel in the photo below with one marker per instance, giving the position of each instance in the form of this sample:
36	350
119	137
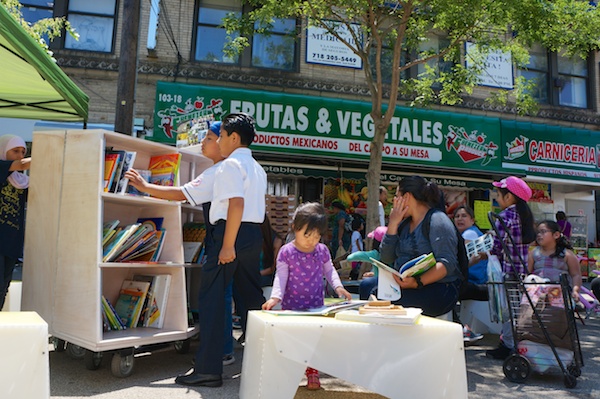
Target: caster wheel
182	347
574	370
121	366
570	381
74	351
92	360
516	368
59	344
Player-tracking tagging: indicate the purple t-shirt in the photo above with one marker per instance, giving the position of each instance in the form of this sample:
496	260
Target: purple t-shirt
299	277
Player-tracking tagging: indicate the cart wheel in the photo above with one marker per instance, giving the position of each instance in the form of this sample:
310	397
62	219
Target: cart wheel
516	368
59	344
574	370
570	381
121	366
182	347
92	360
76	352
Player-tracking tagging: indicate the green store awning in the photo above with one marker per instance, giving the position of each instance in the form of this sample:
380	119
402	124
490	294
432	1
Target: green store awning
32	85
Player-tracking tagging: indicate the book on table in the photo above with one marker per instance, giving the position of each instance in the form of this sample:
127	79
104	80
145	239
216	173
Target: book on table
131	299
330	306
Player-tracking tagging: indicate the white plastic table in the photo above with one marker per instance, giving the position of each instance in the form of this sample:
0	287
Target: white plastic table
24	370
425	360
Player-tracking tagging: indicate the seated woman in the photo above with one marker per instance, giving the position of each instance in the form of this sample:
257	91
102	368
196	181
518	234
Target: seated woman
475	288
436	290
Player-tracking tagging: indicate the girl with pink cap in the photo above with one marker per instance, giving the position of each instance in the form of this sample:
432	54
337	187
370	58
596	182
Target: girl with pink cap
513	194
13	194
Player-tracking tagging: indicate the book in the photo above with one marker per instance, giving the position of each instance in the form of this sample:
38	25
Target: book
130	301
113	247
161	243
411	317
109	229
413	267
164	169
480	245
112	188
156	223
158	309
111	161
127	164
331	306
145	173
191	251
114	320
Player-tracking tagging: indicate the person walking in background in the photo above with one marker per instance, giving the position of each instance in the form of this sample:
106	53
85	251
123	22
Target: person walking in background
475	288
13	194
301	265
237	210
513	194
436	290
356	245
383	200
340	238
563	224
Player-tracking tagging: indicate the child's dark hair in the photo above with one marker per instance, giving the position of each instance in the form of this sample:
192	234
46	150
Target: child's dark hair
562	242
311	215
423	190
527	221
242	124
356	223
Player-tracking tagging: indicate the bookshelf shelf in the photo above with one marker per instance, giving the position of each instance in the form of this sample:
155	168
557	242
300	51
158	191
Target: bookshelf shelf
64	276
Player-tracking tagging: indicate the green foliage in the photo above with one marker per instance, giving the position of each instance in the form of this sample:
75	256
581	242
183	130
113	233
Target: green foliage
50	27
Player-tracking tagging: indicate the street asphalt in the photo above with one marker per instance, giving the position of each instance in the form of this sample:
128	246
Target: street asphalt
155	370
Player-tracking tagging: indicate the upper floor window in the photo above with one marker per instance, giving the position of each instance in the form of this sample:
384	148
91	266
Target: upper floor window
34	10
94	21
210	34
559	80
275	50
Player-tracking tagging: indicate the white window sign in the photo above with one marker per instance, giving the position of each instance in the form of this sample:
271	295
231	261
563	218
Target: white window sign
326	49
497	70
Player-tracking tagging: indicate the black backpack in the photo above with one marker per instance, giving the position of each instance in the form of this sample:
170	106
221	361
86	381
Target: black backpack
463	260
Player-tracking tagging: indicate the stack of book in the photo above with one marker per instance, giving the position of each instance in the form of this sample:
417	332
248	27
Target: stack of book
138	242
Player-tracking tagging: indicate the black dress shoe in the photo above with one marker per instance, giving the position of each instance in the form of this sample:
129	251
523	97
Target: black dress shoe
201	380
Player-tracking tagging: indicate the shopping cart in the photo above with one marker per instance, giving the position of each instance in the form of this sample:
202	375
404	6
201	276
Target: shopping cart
543	324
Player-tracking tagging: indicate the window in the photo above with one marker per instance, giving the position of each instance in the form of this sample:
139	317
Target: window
94	21
276	50
573	82
435	45
33	11
211	36
559	80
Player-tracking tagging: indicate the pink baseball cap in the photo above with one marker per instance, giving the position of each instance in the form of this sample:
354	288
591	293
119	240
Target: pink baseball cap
378	233
516	186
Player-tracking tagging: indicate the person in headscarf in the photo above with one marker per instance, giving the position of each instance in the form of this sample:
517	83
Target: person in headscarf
13	194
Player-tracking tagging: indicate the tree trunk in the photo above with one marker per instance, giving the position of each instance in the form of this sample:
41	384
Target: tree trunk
373	181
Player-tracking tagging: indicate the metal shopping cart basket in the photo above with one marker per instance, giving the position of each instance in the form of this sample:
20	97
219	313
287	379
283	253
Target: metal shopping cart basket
543	324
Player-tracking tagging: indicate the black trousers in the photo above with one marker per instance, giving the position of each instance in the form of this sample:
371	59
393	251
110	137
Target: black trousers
7	265
245	272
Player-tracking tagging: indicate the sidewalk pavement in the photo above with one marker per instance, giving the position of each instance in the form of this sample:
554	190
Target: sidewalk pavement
154	373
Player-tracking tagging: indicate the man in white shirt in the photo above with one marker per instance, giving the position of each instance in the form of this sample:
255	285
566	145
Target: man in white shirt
383	199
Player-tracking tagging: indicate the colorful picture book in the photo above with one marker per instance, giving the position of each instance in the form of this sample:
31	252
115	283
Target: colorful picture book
127	164
111	320
164	169
413	267
130	302
111	160
138	242
154	310
116	163
145	173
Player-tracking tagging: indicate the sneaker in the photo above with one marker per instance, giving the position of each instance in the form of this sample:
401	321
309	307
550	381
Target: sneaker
228	359
500	353
236	322
470	336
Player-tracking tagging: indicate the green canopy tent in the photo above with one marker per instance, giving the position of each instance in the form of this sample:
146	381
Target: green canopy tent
32	86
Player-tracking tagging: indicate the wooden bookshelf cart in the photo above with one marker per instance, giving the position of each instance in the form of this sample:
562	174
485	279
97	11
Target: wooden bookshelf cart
63	274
